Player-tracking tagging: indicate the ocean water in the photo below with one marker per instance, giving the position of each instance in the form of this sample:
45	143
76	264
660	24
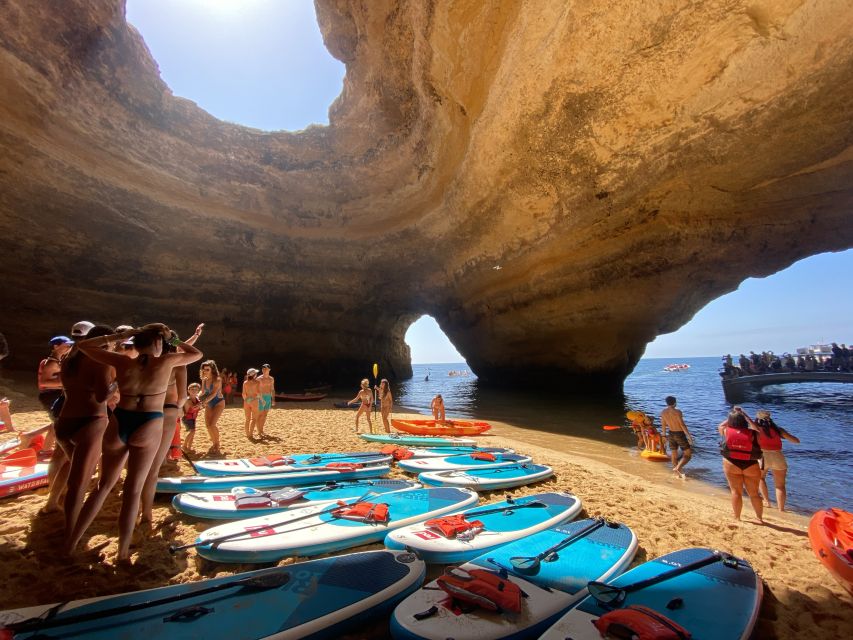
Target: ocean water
820	470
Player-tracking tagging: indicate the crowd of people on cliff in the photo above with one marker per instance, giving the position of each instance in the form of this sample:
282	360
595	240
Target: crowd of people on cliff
768	362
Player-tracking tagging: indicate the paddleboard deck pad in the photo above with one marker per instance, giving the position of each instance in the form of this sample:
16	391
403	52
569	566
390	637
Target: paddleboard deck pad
555	586
314	530
283	463
315	599
714	602
181	484
248	502
500	523
507	477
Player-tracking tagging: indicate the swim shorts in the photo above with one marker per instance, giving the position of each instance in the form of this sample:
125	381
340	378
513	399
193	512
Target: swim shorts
773	461
189	423
678	439
265	403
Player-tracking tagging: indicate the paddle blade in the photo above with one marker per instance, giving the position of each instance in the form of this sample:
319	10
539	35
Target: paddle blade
527	566
611	427
22	458
375	370
606	594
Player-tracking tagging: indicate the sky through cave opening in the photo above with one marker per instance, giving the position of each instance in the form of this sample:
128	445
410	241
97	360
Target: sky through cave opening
429	344
258	63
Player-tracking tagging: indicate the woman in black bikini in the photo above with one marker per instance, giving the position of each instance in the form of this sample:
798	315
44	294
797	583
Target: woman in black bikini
134	434
741	453
81	423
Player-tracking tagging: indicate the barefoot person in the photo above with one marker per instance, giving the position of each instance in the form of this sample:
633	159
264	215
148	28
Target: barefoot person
266	393
770	437
741	452
49	384
212	400
677	434
250	401
134	435
437	408
192	405
366	398
81	424
386	403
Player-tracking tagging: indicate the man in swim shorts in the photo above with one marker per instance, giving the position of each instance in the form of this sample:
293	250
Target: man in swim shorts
266	394
677	434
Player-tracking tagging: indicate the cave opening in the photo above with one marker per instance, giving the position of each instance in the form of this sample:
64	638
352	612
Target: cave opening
250	62
430	345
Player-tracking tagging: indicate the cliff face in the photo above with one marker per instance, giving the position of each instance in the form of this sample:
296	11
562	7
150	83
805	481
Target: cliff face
555	182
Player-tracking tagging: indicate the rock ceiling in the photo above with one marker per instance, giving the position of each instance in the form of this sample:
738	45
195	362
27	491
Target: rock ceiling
557	183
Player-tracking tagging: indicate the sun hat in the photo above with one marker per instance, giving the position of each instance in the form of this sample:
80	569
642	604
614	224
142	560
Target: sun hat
57	340
81	329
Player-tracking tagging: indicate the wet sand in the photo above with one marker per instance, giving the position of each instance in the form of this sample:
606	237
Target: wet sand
800	598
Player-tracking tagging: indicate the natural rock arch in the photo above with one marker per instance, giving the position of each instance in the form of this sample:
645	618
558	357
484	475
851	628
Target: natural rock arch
556	183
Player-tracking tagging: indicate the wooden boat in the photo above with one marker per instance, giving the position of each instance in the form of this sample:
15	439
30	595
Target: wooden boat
439	428
300	397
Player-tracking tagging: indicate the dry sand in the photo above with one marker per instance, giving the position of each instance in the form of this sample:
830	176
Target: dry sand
801	600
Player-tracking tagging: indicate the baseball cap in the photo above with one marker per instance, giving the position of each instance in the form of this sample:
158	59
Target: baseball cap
57	340
81	329
265	366
125	327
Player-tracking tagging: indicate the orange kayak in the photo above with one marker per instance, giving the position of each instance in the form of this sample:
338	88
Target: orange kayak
831	535
437	428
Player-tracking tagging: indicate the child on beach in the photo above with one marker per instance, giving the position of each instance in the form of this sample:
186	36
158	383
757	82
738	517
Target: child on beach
437	408
651	438
191	407
366	398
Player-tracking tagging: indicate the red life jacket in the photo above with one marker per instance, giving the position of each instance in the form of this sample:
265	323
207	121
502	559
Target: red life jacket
343	466
772	442
398	453
363	512
452	526
482	588
274	460
639	623
740	444
484	455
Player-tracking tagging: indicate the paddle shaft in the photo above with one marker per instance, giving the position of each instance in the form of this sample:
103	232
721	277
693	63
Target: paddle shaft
238	534
38	624
510	507
642	584
567	541
192	464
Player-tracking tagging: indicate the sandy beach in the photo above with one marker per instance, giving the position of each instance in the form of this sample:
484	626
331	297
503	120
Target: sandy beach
801	600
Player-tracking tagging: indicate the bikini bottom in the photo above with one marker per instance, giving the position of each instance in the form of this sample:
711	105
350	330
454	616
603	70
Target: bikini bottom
66	428
170	405
214	402
130	421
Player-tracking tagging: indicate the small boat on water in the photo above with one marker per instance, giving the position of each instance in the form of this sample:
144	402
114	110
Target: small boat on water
676	367
441	428
300	397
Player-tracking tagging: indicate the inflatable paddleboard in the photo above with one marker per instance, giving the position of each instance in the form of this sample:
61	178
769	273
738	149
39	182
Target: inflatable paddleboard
714	602
514	475
416	441
180	484
654	456
316	599
603	551
441	452
500	524
441	427
248	502
9	445
314	530
464	461
278	463
15	480
831	536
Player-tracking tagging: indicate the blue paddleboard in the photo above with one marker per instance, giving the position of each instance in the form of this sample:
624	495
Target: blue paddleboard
441	452
416	441
462	461
719	601
556	585
285	463
514	475
315	599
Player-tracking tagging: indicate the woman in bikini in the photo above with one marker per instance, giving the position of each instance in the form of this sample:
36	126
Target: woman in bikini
81	423
174	399
133	436
366	398
250	401
212	400
741	452
386	403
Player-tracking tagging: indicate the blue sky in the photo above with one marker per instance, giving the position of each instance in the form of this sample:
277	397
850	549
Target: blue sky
262	63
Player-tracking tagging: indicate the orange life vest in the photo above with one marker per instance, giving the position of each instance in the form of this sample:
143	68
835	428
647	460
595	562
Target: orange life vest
639	623
452	526
363	512
483	455
483	588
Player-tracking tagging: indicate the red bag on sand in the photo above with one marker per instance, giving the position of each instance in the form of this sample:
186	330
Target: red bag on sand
484	455
344	466
452	526
363	512
639	623
482	588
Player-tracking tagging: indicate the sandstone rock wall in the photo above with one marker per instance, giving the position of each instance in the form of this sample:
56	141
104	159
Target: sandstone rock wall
555	182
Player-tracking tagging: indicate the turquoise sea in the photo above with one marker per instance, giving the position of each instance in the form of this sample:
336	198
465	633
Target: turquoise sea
820	468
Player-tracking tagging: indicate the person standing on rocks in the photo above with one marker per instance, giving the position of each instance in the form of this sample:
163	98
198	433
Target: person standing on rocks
677	434
266	392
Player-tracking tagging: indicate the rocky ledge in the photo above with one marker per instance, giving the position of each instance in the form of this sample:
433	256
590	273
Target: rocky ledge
557	183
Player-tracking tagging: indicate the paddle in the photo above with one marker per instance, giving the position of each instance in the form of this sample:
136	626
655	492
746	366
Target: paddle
534	504
375	379
22	458
273	579
612	596
192	464
173	549
529	565
613	427
317	457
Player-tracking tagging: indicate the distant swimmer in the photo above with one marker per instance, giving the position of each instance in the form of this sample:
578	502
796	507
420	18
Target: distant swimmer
678	436
770	437
437	408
